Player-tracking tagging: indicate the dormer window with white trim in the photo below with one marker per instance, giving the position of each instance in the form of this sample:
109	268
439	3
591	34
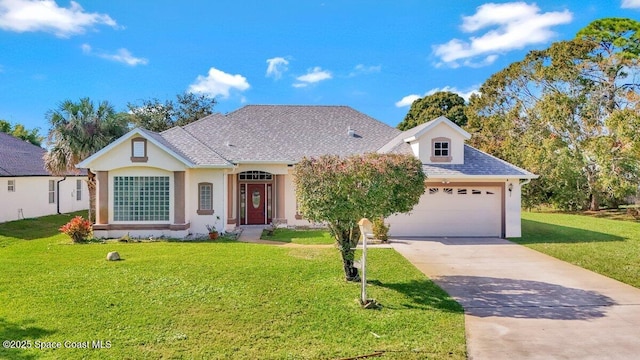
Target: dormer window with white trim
139	150
441	150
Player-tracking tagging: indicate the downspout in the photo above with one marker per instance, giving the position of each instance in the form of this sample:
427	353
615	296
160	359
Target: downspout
225	205
58	194
521	185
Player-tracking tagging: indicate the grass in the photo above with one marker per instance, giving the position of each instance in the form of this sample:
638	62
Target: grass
303	237
214	300
608	247
34	228
613	214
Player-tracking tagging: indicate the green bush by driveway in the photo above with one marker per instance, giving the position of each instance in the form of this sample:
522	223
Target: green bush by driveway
214	300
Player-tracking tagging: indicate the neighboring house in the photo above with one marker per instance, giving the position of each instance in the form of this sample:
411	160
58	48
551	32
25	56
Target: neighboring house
26	188
236	169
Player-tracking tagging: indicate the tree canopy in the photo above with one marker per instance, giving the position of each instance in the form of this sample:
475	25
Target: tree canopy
341	191
442	103
20	132
569	113
158	116
78	130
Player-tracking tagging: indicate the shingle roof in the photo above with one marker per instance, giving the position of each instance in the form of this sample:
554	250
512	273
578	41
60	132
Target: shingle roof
189	147
20	158
286	133
476	163
397	144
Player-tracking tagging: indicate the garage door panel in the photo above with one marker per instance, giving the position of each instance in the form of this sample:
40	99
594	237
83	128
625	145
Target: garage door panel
452	211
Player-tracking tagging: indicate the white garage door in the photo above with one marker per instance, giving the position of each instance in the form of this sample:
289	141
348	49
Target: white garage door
452	211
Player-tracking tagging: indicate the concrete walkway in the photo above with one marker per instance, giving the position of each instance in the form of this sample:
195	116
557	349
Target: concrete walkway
521	304
252	233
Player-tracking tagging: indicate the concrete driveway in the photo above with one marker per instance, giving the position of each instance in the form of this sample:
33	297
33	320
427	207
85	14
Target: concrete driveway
521	304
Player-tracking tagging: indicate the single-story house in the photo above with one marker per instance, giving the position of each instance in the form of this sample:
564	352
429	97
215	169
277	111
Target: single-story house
236	169
27	190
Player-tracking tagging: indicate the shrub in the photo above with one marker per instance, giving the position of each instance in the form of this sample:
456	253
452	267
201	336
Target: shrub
380	229
634	212
78	229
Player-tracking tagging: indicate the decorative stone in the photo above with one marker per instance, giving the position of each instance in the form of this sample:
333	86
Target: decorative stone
113	256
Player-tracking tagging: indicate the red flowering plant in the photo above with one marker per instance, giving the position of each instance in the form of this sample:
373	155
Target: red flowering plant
78	229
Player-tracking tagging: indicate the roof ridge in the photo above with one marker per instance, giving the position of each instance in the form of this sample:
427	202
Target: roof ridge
295	105
195	122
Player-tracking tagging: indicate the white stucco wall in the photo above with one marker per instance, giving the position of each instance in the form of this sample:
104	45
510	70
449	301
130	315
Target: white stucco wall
120	156
513	201
217	177
422	146
31	197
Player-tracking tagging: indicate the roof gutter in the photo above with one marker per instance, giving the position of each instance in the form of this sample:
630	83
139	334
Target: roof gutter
266	162
58	194
480	177
525	182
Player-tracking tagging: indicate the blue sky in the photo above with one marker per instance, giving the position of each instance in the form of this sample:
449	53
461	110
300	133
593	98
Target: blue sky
375	56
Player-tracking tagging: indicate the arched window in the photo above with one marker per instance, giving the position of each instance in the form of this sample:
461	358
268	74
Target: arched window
255	176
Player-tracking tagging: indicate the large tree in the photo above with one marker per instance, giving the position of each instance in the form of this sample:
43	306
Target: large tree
574	108
158	116
19	131
78	130
442	103
341	191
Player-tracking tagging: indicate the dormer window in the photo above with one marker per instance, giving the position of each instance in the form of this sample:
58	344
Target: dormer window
139	150
441	150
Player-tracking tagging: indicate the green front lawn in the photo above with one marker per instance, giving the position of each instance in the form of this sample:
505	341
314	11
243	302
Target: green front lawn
213	300
608	247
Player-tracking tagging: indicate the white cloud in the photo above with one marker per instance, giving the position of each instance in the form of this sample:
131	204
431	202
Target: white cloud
508	26
313	76
124	56
630	4
218	83
276	67
46	15
409	99
121	55
362	69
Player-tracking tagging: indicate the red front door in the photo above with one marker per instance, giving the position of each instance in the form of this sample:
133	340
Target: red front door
255	204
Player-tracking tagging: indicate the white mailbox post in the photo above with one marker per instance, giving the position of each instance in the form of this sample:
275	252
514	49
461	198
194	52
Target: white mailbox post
366	229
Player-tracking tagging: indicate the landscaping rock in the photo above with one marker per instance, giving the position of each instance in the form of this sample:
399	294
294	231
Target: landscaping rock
113	256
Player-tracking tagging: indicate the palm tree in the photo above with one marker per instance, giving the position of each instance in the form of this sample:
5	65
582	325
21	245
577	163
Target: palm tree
78	130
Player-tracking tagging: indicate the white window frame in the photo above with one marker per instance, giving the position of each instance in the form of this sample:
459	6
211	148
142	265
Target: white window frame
139	150
52	191
443	146
205	205
78	190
